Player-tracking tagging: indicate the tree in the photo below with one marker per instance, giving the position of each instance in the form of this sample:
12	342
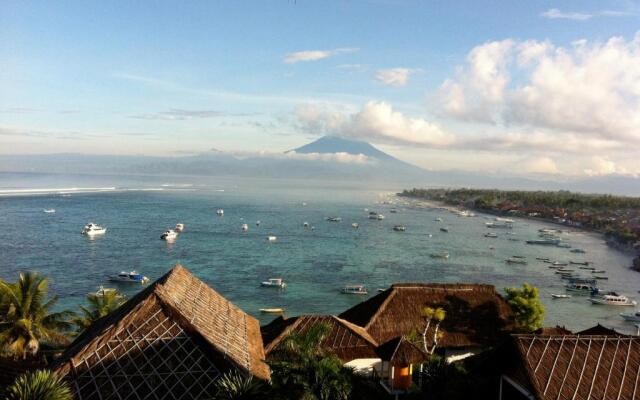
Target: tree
235	386
26	319
301	368
99	306
526	305
430	314
39	385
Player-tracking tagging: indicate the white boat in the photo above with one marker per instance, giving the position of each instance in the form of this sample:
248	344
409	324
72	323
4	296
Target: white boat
91	229
376	216
442	254
272	310
169	234
245	227
496	225
49	210
274	282
103	291
129	277
355	225
507	220
220	212
516	260
438	219
179	228
561	296
490	235
305	224
559	264
399	228
611	299
257	223
354	289
272	238
334	219
632	317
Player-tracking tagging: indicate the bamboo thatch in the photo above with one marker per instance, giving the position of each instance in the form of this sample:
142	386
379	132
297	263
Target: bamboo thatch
400	352
476	315
578	367
553	331
172	340
345	340
600	330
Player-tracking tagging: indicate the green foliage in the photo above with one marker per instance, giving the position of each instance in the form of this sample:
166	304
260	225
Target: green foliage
302	369
39	385
26	319
235	386
526	305
99	306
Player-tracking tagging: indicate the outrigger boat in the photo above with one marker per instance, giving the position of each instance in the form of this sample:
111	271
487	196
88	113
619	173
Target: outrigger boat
274	282
272	310
561	296
354	289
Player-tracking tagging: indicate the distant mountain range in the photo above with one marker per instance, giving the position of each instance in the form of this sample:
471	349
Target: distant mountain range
321	159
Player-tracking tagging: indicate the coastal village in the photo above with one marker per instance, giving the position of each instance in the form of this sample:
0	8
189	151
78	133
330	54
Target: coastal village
178	338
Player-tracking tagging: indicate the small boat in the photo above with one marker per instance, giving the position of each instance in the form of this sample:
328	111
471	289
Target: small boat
272	238
179	228
220	212
438	219
561	296
272	310
603	278
334	219
507	220
514	239
578	251
399	228
245	227
129	277
443	229
258	223
490	235
103	291
354	289
91	229
632	317
376	216
442	254
355	225
542	259
559	264
169	234
544	242
516	260
584	288
611	299
496	225
49	210
305	224
564	245
598	271
393	211
579	262
380	290
274	282
588	268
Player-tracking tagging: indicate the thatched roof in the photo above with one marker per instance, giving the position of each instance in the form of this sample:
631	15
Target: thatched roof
600	330
400	352
176	325
476	314
345	340
579	367
553	331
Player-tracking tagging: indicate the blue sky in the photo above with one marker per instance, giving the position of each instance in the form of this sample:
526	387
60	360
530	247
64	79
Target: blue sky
462	86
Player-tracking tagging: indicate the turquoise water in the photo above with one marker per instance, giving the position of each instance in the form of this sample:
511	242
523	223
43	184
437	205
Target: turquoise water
315	263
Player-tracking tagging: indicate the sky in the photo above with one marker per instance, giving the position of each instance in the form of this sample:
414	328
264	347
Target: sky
540	88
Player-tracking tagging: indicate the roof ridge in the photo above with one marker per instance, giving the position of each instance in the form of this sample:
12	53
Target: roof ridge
380	309
356	329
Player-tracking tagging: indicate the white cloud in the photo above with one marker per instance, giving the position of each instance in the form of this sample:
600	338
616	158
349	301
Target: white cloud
376	122
176	114
554	13
394	76
315	55
339	157
540	165
601	166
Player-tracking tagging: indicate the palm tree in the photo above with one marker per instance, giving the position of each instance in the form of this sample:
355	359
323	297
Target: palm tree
39	385
26	319
430	314
235	386
99	306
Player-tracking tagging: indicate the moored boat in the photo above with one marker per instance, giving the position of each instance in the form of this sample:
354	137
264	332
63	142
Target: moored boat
355	225
443	229
272	238
169	234
611	299
129	277
179	227
399	228
49	210
334	219
442	254
490	235
220	212
274	282
561	296
516	260
91	229
272	310
354	289
544	242
245	227
631	317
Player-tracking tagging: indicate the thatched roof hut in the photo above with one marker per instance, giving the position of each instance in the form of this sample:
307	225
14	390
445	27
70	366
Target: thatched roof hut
553	331
600	330
171	340
401	352
476	314
345	340
576	367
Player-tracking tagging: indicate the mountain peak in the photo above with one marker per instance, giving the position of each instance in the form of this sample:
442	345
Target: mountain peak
335	144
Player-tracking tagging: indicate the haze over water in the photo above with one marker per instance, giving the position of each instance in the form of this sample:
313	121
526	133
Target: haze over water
315	263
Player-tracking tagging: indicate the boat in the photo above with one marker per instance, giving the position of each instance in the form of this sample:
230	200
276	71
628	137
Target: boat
355	225
257	223
169	234
438	219
272	310
442	254
507	220
274	282
179	228
611	299
598	271
579	251
305	224
542	259
334	219
354	289
129	277
91	229
496	225
559	264
49	210
549	230
220	212
579	262
632	317
604	278
544	242
516	260
490	235
443	229
514	239
588	268
561	296
564	245
103	291
399	228
375	215
393	211
272	238
584	288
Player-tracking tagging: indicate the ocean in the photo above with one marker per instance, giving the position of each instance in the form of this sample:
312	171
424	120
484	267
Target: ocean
315	263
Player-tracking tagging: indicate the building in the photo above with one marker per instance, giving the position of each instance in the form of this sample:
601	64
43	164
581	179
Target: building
172	340
594	367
